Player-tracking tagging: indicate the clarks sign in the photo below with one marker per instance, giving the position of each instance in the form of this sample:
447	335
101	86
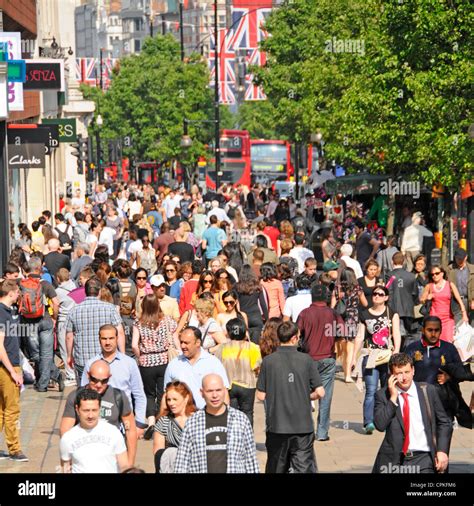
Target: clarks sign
26	147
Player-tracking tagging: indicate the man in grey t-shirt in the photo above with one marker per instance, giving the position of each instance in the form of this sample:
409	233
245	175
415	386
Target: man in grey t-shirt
288	380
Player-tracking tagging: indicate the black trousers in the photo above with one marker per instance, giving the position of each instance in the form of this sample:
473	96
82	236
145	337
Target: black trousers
419	463
243	399
290	451
255	333
153	384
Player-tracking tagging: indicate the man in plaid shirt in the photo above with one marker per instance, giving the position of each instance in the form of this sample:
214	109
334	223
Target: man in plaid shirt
83	324
218	438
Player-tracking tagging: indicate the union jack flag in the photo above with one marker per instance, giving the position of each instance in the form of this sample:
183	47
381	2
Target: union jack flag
226	67
78	70
248	27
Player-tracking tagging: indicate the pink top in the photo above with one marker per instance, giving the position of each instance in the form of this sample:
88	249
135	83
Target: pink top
276	297
441	307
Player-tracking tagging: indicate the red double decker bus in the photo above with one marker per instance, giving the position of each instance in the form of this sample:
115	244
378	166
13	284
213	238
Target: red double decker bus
270	161
235	160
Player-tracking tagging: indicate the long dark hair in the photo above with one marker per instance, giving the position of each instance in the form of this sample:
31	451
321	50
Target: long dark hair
248	281
233	251
151	311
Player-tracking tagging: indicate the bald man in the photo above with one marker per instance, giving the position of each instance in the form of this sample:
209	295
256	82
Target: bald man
56	260
229	442
114	407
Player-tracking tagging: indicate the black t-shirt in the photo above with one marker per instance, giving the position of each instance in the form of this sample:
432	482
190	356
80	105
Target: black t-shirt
174	222
378	329
9	326
182	249
216	442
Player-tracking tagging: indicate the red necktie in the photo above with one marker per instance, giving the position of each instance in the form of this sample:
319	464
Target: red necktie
406	423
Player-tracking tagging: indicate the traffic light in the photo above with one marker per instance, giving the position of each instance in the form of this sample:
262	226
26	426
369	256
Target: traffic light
81	152
112	152
91	172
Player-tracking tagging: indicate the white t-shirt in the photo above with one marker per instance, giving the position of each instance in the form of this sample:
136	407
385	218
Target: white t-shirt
78	202
295	304
300	255
93	450
134	207
107	237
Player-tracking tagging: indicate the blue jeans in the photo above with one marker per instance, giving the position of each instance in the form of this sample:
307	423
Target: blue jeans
371	379
41	345
327	372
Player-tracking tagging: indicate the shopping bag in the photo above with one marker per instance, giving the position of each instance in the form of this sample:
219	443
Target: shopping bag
464	341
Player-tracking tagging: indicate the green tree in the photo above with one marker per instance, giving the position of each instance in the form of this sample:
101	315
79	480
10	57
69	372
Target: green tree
150	95
259	119
386	82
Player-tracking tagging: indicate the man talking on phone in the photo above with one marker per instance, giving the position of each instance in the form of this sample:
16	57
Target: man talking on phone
417	429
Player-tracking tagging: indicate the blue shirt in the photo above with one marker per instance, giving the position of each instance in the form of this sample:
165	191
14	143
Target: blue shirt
155	220
181	369
214	237
125	376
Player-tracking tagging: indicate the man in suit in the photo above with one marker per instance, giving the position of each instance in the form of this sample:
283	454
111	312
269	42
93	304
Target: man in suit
403	292
417	435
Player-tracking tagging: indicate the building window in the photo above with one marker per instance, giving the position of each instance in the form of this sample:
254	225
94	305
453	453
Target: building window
137	46
138	24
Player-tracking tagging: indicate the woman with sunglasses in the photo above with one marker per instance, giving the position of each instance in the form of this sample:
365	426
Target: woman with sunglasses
143	288
230	302
379	329
152	336
222	284
173	284
205	284
170	425
441	293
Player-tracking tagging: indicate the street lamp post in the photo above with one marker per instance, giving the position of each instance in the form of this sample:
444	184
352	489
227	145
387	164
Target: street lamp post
216	98
99	122
181	33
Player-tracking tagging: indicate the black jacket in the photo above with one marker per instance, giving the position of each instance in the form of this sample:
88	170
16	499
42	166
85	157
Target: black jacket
388	418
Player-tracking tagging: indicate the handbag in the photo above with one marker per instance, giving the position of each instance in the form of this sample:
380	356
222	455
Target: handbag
171	351
426	308
341	307
383	357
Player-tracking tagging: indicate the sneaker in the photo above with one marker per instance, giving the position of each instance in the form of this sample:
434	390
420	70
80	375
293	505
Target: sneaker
322	439
369	428
60	382
19	457
4	455
70	383
42	390
148	432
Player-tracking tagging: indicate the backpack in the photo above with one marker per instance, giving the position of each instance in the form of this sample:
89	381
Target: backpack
31	298
63	237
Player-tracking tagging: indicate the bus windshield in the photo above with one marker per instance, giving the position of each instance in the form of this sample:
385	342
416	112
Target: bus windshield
269	157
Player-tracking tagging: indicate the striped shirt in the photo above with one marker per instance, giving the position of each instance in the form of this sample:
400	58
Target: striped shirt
85	320
169	428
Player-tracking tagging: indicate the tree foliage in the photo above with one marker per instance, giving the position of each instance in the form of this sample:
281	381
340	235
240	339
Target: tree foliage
259	119
386	82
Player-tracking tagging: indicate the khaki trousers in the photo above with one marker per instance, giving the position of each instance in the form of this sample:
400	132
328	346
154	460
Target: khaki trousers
10	410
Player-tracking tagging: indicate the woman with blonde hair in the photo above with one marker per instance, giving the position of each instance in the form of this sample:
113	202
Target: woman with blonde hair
168	430
152	336
212	334
286	232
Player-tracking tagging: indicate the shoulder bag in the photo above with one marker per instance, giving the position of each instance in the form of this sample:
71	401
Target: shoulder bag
426	307
384	356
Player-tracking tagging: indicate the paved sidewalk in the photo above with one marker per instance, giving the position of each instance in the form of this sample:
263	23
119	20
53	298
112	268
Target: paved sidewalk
348	451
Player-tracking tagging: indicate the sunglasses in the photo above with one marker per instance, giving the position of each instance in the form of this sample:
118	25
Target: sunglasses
379	294
208	281
229	302
170	270
436	273
139	277
103	381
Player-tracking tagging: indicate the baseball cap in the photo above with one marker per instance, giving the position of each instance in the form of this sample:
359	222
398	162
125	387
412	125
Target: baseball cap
460	254
330	265
157	280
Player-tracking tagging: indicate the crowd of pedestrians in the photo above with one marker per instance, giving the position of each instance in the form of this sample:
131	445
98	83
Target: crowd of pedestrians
172	313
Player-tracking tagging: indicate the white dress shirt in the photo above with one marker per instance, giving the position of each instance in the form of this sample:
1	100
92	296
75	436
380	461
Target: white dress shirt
418	439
